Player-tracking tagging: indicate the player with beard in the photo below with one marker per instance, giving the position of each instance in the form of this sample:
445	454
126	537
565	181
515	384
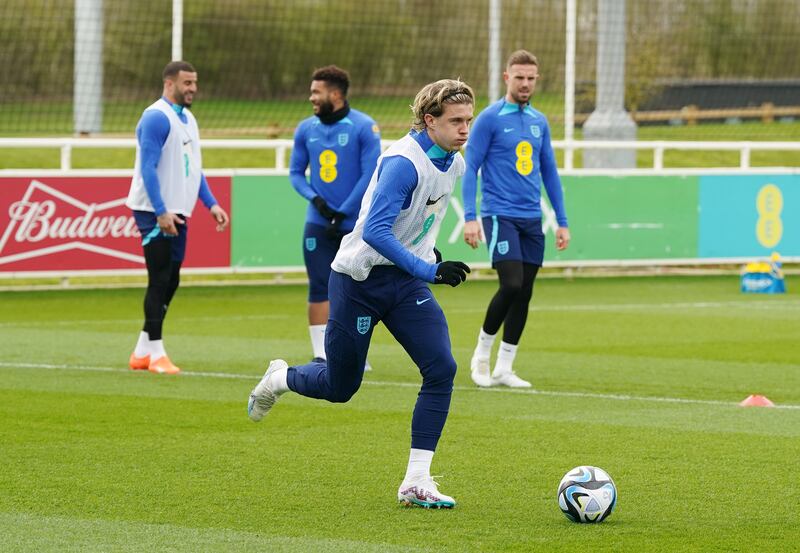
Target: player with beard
168	179
341	145
510	144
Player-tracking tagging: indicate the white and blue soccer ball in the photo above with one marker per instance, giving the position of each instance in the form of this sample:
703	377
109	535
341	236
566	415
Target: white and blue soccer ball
587	494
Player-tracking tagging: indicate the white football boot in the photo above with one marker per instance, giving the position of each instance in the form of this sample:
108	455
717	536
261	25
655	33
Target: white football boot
479	371
262	398
424	492
510	379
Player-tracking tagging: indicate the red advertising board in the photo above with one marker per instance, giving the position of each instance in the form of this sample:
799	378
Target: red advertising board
81	223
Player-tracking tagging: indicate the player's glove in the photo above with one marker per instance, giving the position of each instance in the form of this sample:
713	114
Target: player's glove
323	207
451	272
438	255
332	231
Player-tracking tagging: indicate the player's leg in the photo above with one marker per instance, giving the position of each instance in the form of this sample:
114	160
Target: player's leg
174	283
356	308
163	364
532	250
318	253
158	256
502	236
503	373
417	322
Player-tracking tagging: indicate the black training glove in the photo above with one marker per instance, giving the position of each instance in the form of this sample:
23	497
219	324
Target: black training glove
332	231
323	207
438	255
451	272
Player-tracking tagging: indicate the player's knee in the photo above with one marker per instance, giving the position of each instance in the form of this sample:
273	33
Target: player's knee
525	294
343	394
442	371
511	289
160	279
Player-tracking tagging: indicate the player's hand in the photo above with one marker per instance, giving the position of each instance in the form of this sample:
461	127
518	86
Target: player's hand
438	255
451	272
220	217
562	238
333	230
473	233
167	222
323	207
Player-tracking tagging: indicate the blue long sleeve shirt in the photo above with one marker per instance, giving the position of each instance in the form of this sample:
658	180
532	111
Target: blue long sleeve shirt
152	132
510	144
342	157
397	180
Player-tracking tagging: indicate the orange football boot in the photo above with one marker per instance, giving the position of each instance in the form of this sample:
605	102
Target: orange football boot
163	365
139	363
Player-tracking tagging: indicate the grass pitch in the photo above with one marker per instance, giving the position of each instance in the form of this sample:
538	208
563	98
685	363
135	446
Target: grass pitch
640	376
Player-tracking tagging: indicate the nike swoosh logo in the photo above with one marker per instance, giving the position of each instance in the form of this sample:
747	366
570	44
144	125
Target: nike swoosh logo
420	302
185	142
313	139
429	201
508	130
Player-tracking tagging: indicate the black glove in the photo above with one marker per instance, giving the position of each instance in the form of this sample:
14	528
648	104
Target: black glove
323	207
451	272
332	231
438	255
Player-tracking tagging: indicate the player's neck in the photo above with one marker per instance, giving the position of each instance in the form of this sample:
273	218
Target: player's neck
336	115
510	100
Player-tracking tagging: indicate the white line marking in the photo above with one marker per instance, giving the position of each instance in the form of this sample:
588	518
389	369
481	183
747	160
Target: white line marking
635	226
234	376
138	320
780	304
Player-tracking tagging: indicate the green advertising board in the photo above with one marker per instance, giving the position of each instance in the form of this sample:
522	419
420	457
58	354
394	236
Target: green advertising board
269	215
610	218
267	222
629	218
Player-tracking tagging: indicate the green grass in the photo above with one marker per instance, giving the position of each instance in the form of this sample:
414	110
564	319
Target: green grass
277	119
99	458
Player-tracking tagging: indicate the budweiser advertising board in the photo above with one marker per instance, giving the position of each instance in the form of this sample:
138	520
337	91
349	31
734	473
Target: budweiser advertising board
81	223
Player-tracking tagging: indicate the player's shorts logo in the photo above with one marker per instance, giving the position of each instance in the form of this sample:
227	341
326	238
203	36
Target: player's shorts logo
311	244
536	131
502	247
343	138
363	324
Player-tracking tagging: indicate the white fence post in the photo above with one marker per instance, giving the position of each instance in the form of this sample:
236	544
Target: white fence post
66	157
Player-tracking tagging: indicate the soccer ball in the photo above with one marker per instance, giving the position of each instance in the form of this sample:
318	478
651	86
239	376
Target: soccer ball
587	494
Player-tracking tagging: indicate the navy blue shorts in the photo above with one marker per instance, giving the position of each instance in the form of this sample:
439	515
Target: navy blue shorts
147	223
318	254
514	239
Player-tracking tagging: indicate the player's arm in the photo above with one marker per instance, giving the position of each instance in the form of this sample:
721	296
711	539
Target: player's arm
370	147
397	179
208	199
152	133
552	183
298	163
477	147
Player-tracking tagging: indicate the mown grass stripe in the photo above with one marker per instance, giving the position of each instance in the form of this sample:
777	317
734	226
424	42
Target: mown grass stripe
552	393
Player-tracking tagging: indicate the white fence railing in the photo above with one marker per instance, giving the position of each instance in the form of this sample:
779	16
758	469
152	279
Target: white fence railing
283	146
